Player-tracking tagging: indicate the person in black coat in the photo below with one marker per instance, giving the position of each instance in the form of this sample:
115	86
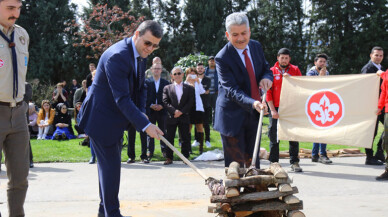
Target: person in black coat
154	104
374	64
178	100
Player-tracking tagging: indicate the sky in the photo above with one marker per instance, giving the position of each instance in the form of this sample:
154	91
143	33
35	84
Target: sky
80	3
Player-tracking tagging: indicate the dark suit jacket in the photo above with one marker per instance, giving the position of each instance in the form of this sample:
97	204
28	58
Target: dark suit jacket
234	102
152	94
370	68
170	102
109	106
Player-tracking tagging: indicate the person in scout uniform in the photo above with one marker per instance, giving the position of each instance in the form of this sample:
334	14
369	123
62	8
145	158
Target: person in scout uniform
14	136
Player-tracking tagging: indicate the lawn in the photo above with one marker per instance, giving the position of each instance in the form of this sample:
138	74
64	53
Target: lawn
71	151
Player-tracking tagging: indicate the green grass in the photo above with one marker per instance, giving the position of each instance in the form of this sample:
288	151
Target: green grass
71	151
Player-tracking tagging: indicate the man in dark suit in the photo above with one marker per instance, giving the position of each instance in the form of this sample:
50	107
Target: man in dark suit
154	106
178	99
115	100
241	68
374	64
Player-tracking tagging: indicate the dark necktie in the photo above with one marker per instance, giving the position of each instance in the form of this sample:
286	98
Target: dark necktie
255	94
11	44
139	75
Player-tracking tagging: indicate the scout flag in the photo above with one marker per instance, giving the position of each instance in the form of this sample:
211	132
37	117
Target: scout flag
337	109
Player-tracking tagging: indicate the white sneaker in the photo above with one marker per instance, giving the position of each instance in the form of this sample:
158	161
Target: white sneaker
195	143
39	138
208	144
44	137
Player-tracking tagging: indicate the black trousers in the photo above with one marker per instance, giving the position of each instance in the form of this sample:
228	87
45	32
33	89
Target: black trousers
207	120
274	143
240	148
369	151
158	117
185	137
131	143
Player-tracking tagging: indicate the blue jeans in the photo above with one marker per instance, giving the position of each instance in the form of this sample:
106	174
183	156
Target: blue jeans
316	149
92	150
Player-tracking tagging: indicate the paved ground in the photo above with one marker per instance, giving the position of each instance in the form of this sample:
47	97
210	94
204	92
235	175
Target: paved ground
345	188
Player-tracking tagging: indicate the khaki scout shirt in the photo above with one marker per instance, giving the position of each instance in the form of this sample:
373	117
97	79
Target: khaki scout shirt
21	40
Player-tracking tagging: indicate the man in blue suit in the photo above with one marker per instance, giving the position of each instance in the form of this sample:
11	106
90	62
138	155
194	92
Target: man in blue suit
241	68
116	100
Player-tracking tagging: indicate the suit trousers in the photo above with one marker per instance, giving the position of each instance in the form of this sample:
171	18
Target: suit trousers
109	165
207	120
14	140
185	136
274	143
240	148
369	151
160	118
131	143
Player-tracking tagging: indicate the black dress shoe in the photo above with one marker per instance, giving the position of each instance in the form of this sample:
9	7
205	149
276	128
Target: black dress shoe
31	165
373	161
92	160
146	161
380	155
129	161
383	177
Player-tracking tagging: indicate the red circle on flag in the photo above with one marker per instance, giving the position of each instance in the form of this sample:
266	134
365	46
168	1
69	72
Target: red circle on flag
1	63
325	108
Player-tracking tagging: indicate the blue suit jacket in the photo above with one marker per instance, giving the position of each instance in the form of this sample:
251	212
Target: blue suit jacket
109	107
234	102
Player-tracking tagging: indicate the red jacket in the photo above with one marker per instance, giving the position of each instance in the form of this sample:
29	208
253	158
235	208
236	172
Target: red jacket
383	101
273	94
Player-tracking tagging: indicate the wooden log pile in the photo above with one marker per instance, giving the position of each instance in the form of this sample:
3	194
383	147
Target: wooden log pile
257	193
306	153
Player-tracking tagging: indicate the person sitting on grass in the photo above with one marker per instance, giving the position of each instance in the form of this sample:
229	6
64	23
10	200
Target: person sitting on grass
62	122
77	107
32	120
45	119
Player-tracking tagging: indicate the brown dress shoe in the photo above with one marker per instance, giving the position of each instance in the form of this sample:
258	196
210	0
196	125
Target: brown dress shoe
167	162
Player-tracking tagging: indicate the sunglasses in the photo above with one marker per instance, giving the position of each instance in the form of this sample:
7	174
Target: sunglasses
149	44
178	73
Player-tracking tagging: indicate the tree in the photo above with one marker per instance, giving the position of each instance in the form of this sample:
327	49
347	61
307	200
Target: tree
105	27
347	30
178	40
277	24
123	4
51	54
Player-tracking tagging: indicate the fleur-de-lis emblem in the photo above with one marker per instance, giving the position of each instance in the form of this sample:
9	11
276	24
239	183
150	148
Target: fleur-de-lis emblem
326	111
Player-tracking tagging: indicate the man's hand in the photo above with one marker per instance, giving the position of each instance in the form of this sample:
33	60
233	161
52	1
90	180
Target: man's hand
265	84
159	107
275	114
286	75
378	73
177	114
323	71
260	106
378	112
153	131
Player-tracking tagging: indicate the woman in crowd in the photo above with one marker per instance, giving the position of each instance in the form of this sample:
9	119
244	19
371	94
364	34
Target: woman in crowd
62	122
32	119
45	119
197	112
81	133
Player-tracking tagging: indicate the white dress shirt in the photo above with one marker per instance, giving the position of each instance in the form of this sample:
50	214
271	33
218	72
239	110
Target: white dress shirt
178	91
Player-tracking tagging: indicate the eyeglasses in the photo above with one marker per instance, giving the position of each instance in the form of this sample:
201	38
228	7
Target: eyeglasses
178	73
149	44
